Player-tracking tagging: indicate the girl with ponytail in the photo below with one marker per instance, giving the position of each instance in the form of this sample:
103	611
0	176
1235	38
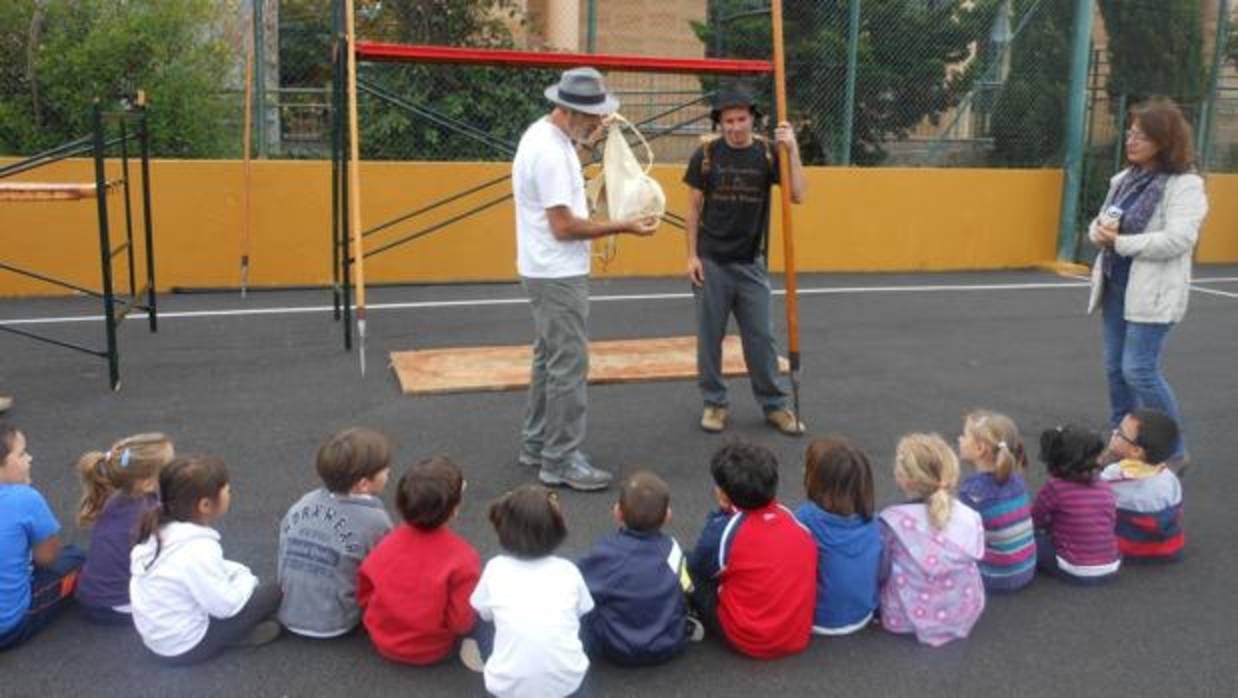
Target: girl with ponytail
930	582
119	486
991	442
189	603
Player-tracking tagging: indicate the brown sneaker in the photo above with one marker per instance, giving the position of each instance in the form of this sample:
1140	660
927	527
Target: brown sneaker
713	420
783	420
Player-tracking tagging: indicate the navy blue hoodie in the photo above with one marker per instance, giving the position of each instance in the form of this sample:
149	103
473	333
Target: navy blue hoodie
637	581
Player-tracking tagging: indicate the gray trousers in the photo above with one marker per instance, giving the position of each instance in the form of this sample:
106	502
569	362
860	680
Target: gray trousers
741	288
554	420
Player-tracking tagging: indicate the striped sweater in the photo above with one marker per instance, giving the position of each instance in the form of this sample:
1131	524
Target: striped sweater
1009	547
1149	500
1080	518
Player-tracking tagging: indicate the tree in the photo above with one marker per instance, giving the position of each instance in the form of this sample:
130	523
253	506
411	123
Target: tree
501	103
909	63
60	55
1155	48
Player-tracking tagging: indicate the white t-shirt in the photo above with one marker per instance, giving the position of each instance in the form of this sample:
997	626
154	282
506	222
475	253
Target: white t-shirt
536	607
547	173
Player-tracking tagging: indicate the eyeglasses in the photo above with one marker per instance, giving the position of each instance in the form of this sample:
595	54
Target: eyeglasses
1122	435
1136	136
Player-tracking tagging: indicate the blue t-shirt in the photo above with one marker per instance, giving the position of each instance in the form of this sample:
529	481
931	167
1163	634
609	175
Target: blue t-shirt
25	521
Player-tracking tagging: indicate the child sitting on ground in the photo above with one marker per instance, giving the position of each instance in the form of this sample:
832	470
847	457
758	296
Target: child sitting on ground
534	599
839	512
638	577
1148	494
414	588
328	532
755	565
28	534
189	603
930	582
991	442
120	486
1075	512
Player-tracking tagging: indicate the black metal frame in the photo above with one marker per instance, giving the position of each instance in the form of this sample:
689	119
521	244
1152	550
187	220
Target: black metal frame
115	307
341	257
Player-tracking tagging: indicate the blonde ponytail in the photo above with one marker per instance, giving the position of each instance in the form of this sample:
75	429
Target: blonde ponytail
927	468
1000	437
96	486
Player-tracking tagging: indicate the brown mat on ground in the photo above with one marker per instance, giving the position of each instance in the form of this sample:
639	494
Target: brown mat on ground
507	368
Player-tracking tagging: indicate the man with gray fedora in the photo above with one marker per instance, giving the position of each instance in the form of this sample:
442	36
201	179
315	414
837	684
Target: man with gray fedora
553	231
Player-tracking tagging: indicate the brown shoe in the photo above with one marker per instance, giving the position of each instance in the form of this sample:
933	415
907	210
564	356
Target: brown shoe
783	420
713	420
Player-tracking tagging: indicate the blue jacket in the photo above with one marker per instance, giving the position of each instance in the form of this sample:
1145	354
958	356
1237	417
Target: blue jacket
848	561
637	581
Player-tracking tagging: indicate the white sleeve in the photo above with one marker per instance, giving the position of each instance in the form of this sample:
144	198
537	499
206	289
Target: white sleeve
480	599
554	180
1186	204
221	587
584	600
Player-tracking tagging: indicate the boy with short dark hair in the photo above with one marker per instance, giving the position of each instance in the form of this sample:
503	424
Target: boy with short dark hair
414	588
326	534
1148	493
755	565
638	577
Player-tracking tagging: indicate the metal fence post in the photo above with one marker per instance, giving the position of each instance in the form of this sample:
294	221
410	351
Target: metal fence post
853	50
1076	108
260	80
1220	48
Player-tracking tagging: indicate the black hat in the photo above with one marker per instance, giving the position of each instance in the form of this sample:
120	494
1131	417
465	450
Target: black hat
581	89
726	99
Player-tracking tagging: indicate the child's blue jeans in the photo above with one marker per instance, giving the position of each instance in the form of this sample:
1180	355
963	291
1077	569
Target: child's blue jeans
51	589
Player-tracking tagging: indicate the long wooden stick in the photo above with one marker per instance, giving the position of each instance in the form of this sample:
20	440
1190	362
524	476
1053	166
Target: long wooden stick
354	179
784	189
246	224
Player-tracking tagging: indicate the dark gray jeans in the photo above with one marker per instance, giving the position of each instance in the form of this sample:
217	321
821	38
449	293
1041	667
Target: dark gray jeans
554	421
741	288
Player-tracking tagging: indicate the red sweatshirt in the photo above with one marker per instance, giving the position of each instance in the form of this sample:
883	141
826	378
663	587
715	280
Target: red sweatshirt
414	592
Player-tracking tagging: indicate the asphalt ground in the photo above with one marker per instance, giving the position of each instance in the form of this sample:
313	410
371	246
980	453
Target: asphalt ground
263	381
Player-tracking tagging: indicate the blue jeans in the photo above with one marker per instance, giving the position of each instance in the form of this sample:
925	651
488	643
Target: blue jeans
741	288
1133	363
51	589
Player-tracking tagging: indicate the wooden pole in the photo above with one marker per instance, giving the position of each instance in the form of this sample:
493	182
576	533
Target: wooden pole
354	179
246	225
784	189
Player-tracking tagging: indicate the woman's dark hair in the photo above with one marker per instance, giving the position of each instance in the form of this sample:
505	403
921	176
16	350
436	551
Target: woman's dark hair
529	522
8	434
182	484
746	473
350	456
1164	125
838	477
429	492
1070	452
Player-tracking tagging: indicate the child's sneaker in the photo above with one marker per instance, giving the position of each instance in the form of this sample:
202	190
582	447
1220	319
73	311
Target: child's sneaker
695	629
263	633
470	655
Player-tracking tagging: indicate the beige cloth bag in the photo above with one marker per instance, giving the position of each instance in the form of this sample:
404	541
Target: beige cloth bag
629	190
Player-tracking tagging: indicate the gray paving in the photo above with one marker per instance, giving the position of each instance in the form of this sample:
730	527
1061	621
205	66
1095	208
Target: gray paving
263	391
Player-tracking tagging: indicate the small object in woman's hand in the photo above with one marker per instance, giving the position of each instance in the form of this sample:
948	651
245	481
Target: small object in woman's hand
1111	216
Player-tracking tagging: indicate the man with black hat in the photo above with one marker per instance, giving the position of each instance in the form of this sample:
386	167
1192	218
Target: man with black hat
553	231
729	180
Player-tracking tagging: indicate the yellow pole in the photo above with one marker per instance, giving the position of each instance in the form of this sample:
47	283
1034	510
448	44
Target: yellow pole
784	189
354	180
246	224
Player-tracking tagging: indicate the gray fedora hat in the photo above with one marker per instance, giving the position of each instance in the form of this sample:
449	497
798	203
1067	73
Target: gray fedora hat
581	89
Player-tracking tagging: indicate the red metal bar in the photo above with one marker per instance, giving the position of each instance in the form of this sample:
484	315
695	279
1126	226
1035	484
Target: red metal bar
410	53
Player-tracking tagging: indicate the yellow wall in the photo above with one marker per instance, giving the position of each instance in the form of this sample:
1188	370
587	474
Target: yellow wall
882	219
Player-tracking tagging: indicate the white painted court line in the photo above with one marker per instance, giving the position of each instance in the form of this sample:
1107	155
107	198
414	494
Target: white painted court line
614	298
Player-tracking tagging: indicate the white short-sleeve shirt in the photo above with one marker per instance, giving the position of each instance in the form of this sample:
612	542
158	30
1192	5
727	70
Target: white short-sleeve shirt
547	173
536	607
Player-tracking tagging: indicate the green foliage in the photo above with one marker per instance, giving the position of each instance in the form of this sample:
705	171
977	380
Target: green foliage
907	64
105	49
1155	48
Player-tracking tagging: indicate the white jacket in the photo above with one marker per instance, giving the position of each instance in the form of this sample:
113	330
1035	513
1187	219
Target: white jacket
1159	284
189	582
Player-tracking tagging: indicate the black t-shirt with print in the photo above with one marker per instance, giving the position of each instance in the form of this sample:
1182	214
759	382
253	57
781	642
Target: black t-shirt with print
735	216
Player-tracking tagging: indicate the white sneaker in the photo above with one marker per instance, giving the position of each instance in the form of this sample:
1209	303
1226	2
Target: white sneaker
5	403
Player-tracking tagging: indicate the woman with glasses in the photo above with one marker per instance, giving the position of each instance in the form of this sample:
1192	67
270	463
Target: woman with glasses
1146	232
